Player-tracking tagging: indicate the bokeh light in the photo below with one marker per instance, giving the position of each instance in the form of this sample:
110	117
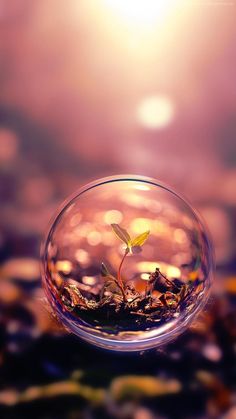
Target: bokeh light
155	112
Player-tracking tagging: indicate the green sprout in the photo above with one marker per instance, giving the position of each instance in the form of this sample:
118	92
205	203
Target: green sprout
133	246
118	304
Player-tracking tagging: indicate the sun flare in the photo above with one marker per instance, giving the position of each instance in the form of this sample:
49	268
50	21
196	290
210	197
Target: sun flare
142	12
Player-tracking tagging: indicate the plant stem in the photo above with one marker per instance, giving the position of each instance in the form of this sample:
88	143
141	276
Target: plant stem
119	274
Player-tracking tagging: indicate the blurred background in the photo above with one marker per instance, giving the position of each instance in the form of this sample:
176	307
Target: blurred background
92	88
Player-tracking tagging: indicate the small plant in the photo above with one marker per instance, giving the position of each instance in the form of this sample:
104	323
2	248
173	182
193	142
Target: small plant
119	305
133	246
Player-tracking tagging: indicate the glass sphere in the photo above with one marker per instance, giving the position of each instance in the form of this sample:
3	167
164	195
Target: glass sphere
127	263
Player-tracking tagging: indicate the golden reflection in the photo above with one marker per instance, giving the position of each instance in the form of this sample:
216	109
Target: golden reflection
150	266
145	277
64	266
139	225
193	275
173	271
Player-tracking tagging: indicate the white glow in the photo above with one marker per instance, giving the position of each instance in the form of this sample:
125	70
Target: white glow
89	280
155	112
142	12
145	277
138	225
142	187
113	216
149	266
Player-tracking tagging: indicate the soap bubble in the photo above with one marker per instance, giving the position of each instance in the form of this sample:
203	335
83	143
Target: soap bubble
127	263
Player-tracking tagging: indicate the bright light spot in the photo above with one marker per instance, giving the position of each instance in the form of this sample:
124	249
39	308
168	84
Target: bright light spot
94	238
145	277
155	112
193	276
64	266
139	225
168	270
82	256
113	216
148	266
142	187
89	280
173	272
142	12
212	352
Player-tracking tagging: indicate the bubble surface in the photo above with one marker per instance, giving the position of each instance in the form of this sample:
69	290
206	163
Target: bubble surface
127	263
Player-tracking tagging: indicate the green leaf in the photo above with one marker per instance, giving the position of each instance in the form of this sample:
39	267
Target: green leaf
122	234
140	240
104	270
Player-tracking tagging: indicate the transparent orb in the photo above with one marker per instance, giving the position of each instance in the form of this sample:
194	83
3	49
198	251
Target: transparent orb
127	263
